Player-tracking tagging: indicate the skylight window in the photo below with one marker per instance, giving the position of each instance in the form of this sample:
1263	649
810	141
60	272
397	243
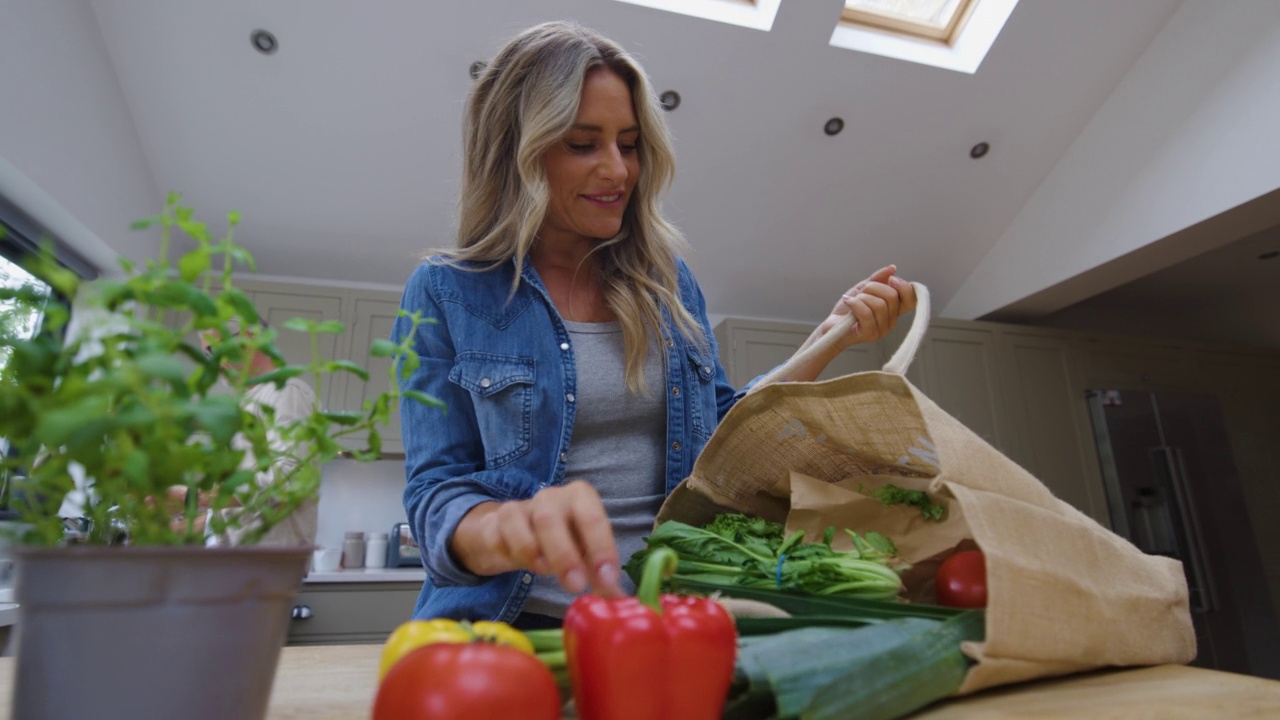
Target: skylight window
933	19
949	34
755	14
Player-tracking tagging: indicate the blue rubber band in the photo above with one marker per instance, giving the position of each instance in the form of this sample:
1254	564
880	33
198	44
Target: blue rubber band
778	575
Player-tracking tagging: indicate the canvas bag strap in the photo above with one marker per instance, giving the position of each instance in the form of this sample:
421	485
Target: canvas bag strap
897	364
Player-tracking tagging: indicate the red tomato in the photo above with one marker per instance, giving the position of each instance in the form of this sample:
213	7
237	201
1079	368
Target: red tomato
962	580
477	681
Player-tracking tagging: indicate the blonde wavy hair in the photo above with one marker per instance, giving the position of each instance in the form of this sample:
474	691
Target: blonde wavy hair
524	102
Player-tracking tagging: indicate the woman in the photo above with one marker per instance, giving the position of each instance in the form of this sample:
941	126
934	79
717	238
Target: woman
571	344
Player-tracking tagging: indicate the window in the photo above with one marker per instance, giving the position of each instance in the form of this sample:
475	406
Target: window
16	317
755	14
948	34
933	19
19	238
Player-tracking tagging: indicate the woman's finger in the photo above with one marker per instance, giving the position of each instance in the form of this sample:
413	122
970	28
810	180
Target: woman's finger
906	293
864	308
886	305
557	541
595	533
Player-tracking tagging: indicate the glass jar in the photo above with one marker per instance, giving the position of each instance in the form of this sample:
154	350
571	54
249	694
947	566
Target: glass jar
375	551
353	551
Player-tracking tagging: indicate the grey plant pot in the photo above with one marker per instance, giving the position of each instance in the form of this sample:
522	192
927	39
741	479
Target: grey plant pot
142	632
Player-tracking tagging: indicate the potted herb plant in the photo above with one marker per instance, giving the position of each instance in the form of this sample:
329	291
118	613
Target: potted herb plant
140	619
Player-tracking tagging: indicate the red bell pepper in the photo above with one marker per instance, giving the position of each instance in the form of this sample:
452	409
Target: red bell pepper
649	657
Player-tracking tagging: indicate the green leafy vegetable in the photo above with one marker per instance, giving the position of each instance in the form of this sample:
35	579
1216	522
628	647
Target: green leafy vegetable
894	495
738	551
879	672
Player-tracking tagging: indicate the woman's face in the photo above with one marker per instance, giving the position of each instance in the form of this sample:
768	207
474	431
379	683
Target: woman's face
592	170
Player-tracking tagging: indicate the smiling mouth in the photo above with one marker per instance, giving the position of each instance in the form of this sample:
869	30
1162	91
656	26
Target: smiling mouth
604	199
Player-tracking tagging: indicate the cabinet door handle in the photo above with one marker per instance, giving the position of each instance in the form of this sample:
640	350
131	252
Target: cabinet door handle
301	612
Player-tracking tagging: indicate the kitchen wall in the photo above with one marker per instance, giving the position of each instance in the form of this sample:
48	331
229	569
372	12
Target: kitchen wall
359	496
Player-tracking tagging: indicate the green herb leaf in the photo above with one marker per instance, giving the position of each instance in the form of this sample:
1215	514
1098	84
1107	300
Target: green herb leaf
425	399
894	495
383	348
278	376
348	366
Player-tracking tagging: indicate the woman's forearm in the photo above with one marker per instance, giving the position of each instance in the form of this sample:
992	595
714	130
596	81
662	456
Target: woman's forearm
469	546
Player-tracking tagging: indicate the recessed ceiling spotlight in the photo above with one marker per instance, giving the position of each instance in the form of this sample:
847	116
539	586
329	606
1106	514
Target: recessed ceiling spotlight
833	126
476	68
1269	255
670	100
263	41
979	150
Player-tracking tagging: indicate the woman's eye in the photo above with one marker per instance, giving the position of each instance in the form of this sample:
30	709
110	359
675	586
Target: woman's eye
627	148
580	148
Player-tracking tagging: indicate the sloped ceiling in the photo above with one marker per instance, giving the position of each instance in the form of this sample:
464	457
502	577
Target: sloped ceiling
342	149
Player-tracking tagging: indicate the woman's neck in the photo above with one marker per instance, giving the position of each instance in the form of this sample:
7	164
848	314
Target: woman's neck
571	275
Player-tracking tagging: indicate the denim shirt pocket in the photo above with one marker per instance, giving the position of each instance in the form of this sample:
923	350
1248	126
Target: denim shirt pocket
702	394
501	388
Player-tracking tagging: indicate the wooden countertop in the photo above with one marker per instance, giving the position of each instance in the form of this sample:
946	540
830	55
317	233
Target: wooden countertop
337	682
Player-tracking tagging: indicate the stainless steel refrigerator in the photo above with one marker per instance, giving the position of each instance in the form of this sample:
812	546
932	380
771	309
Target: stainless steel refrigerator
1172	489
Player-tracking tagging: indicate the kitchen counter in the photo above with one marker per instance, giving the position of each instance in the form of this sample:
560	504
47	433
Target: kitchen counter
399	574
337	682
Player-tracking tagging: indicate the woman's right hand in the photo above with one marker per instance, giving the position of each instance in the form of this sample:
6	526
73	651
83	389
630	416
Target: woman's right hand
562	530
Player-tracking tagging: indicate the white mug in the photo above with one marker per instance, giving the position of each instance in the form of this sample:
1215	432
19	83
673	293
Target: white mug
326	559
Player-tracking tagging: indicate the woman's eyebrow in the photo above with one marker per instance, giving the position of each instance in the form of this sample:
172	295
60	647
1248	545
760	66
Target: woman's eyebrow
597	128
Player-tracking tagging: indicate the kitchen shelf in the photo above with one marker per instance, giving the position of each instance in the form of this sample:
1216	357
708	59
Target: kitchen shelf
367	575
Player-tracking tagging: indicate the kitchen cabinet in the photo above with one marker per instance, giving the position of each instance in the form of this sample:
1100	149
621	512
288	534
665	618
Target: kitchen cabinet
749	348
1135	363
961	375
345	613
367	314
372	319
1048	418
278	306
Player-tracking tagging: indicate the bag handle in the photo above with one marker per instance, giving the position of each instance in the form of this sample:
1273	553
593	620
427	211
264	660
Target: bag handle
897	364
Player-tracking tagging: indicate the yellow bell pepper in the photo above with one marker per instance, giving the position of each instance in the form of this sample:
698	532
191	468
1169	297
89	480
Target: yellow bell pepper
416	633
500	633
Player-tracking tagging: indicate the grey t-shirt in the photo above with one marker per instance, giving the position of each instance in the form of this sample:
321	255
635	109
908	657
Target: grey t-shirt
617	445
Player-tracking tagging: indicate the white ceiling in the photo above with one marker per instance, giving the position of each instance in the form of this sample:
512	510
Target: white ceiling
342	149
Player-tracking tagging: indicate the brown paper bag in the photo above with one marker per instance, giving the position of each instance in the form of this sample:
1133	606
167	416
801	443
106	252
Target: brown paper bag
1064	593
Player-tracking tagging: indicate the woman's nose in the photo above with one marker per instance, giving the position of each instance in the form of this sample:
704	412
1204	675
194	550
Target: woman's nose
613	166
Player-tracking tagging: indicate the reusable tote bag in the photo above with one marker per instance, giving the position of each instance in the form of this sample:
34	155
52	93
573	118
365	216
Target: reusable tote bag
1064	593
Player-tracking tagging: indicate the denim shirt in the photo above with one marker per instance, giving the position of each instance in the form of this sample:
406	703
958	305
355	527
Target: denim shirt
504	367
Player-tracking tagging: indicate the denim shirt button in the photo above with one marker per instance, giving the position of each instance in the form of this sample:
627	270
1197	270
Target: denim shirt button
569	397
675	445
564	346
526	579
675	391
485	382
564	457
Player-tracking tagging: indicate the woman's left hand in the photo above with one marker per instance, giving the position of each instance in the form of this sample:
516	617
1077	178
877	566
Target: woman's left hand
876	304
